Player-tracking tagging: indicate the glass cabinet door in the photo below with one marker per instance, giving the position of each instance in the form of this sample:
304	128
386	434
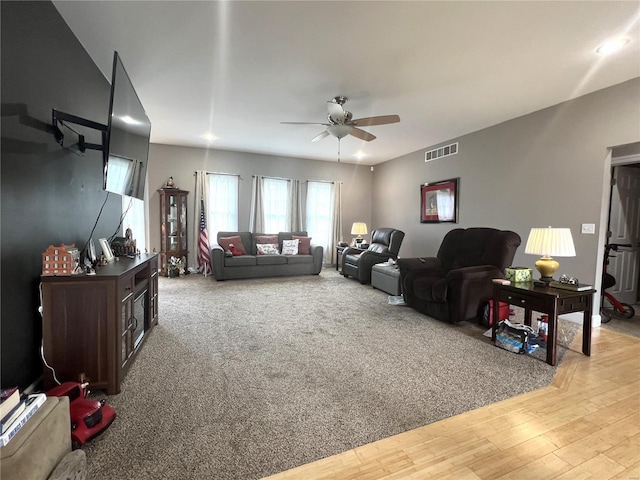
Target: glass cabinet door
173	226
183	222
172	221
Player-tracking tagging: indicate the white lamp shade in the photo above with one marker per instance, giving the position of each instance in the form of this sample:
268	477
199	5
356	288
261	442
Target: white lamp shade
359	228
550	242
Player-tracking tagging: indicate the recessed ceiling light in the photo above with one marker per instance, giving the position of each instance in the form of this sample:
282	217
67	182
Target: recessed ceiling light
612	46
359	154
209	136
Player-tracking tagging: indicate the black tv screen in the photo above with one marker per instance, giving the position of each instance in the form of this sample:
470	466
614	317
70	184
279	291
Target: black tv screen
127	142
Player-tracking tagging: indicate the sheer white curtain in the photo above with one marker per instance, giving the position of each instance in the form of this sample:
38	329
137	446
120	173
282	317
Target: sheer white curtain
276	205
223	204
323	216
220	195
133	218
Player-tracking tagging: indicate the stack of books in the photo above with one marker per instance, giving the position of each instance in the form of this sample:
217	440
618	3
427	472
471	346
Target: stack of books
16	411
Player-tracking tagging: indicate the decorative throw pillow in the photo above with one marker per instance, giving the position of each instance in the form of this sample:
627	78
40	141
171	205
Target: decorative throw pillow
237	243
290	247
304	247
267	249
272	239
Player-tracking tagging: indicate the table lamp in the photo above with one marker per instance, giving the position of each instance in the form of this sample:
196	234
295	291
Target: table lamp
548	242
359	229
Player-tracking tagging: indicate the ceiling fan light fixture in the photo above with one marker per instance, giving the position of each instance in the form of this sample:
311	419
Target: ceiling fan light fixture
339	131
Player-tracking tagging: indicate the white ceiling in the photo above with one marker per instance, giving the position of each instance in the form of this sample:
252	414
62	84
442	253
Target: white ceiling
239	68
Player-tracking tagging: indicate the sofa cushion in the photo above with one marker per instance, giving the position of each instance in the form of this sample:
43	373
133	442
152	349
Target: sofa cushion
224	242
304	247
299	259
242	261
271	260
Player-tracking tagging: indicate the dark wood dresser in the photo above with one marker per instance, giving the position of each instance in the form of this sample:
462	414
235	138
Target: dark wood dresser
95	325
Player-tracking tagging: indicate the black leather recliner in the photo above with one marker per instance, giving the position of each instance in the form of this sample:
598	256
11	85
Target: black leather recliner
385	244
453	286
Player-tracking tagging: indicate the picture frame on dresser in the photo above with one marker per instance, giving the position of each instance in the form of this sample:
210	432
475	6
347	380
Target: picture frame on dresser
106	250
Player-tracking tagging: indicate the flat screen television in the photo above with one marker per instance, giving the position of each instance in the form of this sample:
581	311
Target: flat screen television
126	147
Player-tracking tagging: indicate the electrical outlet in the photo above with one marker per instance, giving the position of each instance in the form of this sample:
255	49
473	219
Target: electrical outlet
589	228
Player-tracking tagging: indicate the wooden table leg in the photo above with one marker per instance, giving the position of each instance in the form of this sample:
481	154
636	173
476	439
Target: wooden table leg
586	327
552	334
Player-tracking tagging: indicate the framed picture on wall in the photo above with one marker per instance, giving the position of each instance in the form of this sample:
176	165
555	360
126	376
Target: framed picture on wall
439	201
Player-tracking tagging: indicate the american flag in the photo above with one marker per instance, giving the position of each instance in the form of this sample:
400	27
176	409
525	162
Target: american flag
204	259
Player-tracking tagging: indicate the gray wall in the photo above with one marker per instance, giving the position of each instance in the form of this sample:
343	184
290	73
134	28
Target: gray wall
182	162
49	196
545	168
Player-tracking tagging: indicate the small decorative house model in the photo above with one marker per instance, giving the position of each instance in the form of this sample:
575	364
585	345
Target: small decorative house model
60	260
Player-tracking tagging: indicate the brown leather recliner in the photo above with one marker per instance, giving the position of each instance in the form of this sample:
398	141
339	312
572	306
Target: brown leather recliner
453	286
385	244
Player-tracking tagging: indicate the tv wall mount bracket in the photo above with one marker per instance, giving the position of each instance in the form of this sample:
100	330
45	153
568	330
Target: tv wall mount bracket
58	117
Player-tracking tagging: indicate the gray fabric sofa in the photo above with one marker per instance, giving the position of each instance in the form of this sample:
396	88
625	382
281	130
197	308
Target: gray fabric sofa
253	265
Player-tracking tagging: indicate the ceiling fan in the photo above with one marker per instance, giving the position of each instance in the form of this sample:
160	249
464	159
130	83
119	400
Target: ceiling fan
340	122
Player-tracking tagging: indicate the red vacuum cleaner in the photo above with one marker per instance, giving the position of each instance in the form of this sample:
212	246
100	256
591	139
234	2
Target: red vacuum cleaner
89	418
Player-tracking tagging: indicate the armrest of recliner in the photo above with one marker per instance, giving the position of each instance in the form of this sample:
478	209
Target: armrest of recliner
407	265
477	272
459	281
465	289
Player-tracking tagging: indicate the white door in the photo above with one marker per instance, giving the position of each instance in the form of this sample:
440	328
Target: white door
624	224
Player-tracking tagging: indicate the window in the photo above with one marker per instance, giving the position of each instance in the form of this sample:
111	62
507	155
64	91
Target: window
275	201
133	218
320	213
223	204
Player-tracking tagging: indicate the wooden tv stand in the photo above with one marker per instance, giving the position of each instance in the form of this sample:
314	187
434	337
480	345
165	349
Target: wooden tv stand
95	325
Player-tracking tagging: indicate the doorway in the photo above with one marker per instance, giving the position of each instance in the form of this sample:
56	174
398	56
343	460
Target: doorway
623	228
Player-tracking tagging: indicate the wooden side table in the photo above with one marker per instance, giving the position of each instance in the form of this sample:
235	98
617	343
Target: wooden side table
553	302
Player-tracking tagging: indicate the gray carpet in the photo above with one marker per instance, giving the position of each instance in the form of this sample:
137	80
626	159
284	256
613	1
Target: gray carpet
246	378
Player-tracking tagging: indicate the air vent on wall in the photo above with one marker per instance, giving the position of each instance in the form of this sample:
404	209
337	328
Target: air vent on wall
441	152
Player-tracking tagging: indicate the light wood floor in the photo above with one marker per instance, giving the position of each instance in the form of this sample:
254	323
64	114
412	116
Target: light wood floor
586	425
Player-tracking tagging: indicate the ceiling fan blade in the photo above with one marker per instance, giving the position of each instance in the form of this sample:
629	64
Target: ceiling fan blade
306	123
320	136
380	120
361	134
336	112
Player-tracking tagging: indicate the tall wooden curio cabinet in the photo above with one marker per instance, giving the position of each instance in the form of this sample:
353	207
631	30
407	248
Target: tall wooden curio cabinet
173	226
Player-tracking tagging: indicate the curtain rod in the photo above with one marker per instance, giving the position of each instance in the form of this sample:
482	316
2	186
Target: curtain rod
274	178
321	181
220	173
